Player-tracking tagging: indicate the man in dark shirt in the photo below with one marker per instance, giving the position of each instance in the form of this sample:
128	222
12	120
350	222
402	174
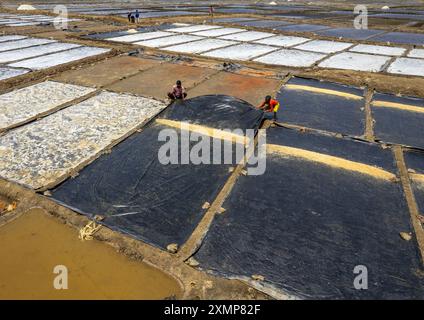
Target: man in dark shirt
178	92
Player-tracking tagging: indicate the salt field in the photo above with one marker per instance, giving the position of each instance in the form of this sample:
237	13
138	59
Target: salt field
211	151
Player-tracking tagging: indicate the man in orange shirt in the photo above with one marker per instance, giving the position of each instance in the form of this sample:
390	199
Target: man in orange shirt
270	105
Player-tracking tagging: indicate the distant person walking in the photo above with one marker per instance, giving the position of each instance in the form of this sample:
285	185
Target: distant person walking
270	105
211	11
137	16
178	92
129	16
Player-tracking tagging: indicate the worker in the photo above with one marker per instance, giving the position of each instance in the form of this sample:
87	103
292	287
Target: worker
137	16
178	92
270	105
129	16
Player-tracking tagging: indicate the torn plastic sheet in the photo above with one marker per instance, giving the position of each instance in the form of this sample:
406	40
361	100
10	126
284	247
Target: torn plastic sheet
156	203
398	119
305	226
322	105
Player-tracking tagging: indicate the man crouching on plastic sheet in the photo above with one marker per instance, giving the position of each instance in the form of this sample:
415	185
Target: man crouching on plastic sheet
270	105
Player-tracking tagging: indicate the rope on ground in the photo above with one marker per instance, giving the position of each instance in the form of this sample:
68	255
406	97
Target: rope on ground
7	207
87	232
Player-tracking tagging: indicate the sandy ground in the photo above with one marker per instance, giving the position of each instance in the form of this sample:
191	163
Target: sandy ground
108	71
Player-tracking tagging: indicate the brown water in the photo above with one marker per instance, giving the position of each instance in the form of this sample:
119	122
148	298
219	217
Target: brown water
32	245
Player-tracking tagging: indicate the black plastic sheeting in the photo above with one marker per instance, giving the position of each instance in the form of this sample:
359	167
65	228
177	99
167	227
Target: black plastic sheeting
263	23
413	17
415	160
296	16
418	189
305	226
231	20
159	14
239	10
321	111
399	126
302	28
350	149
400	37
105	35
350	33
216	111
159	204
